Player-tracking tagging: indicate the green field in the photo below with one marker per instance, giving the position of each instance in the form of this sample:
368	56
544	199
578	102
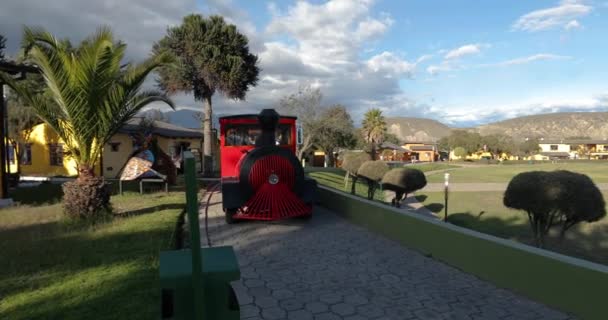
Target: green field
484	212
598	171
51	269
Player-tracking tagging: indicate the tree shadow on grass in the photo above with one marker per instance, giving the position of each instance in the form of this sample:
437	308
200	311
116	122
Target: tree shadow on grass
585	241
45	193
161	207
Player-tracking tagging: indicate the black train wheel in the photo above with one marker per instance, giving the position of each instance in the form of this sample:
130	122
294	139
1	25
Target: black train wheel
229	215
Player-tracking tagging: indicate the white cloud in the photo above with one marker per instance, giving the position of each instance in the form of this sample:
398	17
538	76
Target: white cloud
462	51
556	17
475	115
572	25
424	58
390	64
436	69
529	59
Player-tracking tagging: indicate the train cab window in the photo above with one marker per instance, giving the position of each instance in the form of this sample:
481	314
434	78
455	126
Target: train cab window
242	135
283	135
247	134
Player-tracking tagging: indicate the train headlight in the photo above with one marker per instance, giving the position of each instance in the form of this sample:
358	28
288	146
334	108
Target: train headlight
273	179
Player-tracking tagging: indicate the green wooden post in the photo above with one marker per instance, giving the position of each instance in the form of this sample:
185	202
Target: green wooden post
195	237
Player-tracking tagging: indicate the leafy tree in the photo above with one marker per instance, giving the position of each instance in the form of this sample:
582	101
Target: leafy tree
460	152
2	47
372	172
95	94
529	147
306	105
336	131
392	138
554	198
583	150
212	55
403	181
374	129
21	116
351	163
498	143
470	141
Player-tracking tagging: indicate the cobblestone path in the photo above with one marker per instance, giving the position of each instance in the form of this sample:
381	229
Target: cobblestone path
326	268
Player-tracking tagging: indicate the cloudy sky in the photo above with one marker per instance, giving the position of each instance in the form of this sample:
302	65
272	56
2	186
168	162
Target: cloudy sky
459	62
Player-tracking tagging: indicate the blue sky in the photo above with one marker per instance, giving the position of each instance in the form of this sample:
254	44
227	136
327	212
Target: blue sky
460	62
471	61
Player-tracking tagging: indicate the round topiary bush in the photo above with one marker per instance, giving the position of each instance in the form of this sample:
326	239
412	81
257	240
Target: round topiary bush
554	198
403	181
372	172
351	163
86	199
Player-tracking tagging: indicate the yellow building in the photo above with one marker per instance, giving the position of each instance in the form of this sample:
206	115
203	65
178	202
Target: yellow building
422	151
44	154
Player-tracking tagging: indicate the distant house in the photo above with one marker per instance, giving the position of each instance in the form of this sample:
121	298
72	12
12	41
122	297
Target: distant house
44	155
574	149
389	151
422	151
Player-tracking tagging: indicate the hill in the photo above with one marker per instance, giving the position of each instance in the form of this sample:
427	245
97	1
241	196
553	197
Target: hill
549	125
416	129
552	125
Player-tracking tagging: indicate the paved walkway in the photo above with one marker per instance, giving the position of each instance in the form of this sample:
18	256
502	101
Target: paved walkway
481	186
327	268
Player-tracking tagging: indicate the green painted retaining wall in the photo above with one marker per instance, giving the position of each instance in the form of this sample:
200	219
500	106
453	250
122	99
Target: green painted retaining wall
565	283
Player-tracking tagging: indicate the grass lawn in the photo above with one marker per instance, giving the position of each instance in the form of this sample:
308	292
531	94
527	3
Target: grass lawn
484	212
53	270
434	166
598	171
334	178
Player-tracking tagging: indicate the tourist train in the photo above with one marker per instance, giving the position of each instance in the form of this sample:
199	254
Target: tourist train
261	178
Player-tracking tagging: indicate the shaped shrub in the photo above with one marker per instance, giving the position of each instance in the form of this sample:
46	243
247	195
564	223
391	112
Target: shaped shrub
403	181
351	163
372	172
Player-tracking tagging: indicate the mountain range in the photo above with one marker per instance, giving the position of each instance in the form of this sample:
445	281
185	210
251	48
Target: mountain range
549	126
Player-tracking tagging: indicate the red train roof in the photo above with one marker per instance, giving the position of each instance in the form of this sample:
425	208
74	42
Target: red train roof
255	116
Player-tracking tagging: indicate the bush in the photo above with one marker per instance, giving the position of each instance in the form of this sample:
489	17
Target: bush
351	163
86	199
403	181
460	152
554	198
372	172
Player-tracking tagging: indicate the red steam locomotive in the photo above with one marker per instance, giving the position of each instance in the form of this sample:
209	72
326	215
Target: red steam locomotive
260	175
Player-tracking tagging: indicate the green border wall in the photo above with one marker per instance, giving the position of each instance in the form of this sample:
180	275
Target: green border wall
565	283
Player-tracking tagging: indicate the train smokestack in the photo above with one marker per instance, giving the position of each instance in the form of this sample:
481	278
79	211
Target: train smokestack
269	120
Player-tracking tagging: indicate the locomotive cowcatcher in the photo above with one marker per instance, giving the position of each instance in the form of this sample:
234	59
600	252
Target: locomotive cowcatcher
260	175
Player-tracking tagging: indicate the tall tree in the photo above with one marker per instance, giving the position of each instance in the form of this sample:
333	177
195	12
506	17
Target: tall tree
337	131
21	116
374	129
469	141
211	56
95	93
529	146
2	47
306	105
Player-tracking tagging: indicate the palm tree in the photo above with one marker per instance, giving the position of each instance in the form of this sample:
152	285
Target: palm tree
374	129
212	56
93	95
